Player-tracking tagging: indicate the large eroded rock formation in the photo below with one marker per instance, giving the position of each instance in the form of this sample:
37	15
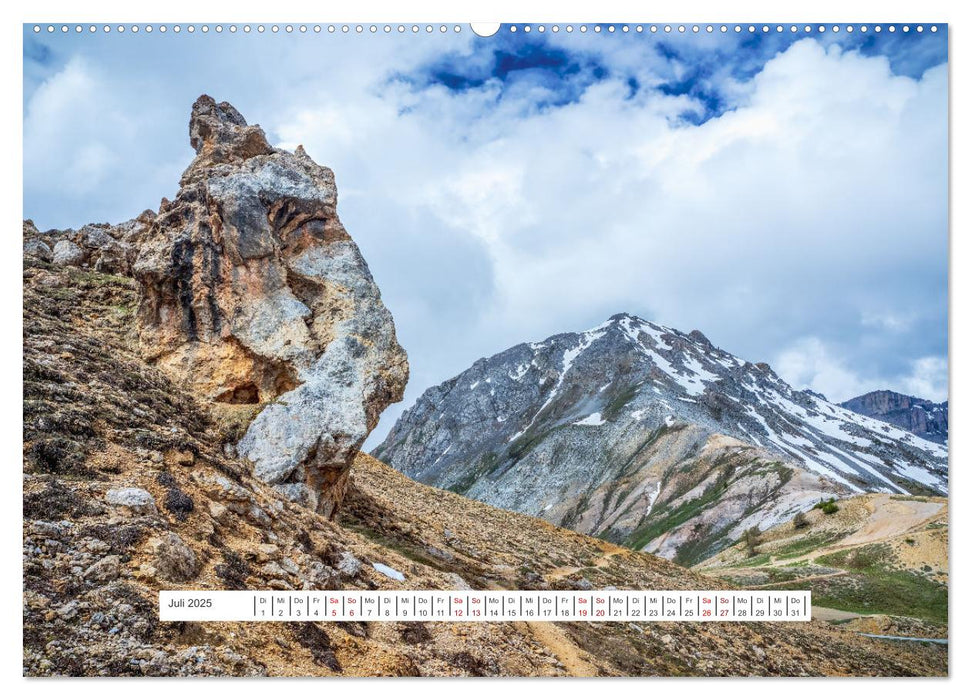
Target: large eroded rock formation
252	292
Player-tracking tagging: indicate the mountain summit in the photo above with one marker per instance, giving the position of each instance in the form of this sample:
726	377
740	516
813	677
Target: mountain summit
649	436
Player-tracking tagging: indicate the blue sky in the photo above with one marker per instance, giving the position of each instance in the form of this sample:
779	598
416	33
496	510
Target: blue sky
785	193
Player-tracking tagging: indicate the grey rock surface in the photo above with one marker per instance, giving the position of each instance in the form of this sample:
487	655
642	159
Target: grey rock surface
921	417
38	249
67	253
137	500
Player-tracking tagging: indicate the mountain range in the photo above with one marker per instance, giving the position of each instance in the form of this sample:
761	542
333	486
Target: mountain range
649	437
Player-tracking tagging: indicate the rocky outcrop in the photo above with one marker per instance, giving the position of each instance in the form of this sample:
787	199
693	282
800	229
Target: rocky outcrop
649	436
103	248
919	416
253	293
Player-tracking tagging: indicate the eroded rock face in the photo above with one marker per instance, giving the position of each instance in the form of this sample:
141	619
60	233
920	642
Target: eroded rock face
253	293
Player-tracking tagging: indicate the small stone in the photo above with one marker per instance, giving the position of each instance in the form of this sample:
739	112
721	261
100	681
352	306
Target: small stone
320	577
104	570
174	560
259	516
290	566
68	611
273	570
219	512
137	500
457	583
266	552
349	565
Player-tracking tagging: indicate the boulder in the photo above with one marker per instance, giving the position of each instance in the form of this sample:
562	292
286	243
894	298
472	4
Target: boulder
103	251
349	565
38	249
67	253
252	292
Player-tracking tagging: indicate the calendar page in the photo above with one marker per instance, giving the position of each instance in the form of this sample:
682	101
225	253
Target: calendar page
548	349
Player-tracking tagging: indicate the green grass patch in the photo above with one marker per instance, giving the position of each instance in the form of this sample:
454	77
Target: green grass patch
757	560
873	587
805	545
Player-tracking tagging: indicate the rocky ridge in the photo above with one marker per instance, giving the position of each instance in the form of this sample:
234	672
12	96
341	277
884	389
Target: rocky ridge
649	437
921	417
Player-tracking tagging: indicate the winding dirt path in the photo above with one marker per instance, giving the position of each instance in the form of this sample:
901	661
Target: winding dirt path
609	552
551	635
815	577
574	659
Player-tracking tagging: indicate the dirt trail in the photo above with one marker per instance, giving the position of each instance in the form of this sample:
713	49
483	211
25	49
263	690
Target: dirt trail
815	577
610	551
832	614
550	635
574	660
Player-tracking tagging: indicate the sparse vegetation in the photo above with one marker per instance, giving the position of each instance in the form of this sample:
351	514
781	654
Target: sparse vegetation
828	506
874	586
752	539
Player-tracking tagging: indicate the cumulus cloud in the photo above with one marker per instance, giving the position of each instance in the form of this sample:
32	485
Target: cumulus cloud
810	363
77	131
928	379
787	197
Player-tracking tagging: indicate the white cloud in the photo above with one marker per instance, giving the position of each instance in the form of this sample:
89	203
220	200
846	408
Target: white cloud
80	135
928	379
811	217
810	363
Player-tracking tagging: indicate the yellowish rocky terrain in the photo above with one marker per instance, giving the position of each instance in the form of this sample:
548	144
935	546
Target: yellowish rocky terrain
878	563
